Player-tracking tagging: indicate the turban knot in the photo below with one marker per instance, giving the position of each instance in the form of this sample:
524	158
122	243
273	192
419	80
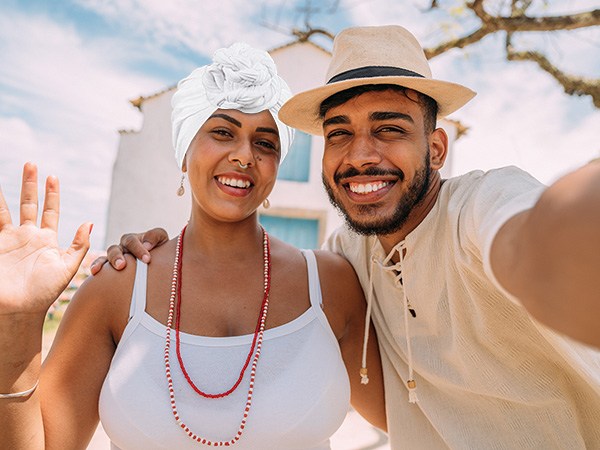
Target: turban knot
241	78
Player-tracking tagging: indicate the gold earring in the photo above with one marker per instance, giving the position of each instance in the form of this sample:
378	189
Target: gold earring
266	203
181	189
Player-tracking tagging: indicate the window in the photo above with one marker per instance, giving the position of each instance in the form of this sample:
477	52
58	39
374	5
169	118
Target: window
302	233
296	166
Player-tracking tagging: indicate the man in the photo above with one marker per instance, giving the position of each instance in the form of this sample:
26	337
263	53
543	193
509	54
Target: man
459	274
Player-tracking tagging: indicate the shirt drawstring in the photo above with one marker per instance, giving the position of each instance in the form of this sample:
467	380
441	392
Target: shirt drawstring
364	378
398	268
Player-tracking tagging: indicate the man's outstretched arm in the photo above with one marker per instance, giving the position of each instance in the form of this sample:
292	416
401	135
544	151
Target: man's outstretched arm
549	256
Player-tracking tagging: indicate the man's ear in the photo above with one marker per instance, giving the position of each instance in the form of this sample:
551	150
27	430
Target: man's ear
438	148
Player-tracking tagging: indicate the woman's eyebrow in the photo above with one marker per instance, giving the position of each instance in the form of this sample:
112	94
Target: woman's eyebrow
267	130
230	119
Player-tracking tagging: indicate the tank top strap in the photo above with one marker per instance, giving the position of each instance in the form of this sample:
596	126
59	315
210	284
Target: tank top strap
316	298
137	307
314	284
138	296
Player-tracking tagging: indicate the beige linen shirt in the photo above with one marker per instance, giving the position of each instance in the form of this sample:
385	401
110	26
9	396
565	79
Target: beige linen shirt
488	376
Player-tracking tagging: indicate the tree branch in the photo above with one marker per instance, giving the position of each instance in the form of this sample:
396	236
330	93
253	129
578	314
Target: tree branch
303	36
572	84
459	43
520	22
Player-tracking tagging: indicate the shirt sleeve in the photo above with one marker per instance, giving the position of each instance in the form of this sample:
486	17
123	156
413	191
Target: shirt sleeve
499	195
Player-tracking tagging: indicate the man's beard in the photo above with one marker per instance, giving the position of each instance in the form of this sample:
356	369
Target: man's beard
381	226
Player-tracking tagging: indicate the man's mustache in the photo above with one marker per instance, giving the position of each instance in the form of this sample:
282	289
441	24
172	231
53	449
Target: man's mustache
369	171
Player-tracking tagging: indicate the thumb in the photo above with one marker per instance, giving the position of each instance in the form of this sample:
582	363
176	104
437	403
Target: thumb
153	238
74	255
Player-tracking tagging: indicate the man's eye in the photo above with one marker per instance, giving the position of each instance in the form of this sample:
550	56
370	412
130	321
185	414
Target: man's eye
391	129
337	133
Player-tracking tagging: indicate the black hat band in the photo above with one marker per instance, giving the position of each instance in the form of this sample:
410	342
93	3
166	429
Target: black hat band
372	72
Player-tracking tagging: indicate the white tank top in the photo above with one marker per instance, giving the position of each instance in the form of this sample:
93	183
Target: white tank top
301	391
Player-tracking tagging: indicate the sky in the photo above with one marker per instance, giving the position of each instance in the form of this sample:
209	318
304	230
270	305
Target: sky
69	68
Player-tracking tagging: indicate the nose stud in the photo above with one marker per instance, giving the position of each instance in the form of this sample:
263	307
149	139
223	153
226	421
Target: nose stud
242	166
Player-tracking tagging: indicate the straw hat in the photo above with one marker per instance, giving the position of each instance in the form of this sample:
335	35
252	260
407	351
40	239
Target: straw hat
373	55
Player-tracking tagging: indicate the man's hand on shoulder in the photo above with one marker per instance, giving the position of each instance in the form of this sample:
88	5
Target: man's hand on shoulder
138	244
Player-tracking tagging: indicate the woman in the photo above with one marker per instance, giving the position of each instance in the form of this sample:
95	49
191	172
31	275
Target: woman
229	337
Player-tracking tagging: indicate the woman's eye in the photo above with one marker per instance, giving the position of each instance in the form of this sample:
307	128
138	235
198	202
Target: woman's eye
221	132
266	144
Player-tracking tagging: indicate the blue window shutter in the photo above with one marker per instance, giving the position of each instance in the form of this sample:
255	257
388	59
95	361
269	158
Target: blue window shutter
302	233
296	166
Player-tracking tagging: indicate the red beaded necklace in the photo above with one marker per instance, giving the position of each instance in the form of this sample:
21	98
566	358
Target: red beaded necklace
256	342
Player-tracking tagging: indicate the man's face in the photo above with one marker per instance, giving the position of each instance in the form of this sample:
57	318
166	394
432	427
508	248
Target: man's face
376	166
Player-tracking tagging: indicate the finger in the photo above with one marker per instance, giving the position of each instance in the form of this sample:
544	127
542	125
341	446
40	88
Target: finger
29	196
74	255
154	238
97	264
5	219
114	253
51	204
132	243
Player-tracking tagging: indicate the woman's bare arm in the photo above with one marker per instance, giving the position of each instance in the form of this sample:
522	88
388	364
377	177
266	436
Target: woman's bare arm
74	370
33	273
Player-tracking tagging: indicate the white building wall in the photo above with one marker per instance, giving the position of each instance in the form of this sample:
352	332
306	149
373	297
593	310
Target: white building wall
145	176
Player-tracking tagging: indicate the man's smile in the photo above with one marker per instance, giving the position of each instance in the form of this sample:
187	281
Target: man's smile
366	188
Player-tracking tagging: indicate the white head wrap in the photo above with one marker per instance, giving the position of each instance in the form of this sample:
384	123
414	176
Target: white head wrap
241	78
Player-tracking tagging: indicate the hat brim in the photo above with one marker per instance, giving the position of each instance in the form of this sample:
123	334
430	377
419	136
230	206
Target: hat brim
302	110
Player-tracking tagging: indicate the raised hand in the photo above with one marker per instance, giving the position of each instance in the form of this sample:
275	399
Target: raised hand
33	272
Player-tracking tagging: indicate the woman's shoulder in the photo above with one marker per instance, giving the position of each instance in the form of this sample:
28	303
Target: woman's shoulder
285	255
110	280
110	289
333	266
343	299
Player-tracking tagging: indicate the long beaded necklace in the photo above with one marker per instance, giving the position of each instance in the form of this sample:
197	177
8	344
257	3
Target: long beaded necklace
256	343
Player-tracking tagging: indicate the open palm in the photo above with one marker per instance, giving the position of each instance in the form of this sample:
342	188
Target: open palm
33	272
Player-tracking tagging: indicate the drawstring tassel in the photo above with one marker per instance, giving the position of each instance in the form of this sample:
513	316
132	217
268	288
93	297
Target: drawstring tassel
412	391
364	379
411	384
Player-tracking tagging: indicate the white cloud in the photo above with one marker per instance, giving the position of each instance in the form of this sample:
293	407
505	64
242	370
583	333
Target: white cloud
384	12
64	99
200	26
79	81
522	117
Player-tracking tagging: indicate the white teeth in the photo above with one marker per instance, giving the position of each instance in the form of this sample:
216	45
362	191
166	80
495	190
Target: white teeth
368	187
243	184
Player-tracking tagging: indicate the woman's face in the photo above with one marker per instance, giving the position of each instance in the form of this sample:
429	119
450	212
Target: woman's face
230	138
